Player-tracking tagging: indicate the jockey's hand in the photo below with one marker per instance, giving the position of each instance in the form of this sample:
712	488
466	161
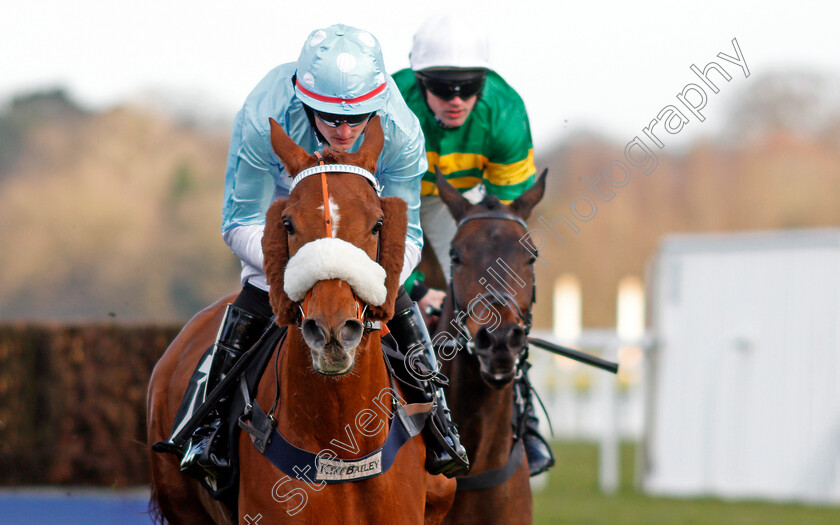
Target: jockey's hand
430	306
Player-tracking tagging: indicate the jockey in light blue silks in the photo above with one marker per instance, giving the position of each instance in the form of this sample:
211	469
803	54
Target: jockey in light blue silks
324	99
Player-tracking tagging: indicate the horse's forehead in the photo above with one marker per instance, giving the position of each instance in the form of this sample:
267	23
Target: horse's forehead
347	191
495	236
350	202
489	242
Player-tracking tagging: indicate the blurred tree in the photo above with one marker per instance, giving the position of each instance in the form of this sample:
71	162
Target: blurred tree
803	103
26	111
115	214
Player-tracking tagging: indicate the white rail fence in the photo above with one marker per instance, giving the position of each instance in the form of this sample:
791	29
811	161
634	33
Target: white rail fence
746	360
584	402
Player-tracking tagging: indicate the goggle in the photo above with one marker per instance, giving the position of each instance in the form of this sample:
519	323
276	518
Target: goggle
335	121
446	89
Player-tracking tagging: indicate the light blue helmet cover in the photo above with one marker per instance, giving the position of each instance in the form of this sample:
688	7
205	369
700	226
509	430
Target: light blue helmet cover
341	70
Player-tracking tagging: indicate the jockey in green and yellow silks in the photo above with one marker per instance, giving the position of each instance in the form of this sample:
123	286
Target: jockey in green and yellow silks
478	135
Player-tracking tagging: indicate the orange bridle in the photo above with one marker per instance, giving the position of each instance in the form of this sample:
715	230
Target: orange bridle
361	308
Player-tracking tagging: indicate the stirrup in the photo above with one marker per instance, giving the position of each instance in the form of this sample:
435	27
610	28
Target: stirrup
445	453
538	452
195	419
537	449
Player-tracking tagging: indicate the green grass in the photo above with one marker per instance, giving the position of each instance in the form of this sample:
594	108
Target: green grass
573	497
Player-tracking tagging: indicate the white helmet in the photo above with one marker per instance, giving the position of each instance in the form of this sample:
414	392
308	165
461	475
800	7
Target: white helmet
450	41
341	71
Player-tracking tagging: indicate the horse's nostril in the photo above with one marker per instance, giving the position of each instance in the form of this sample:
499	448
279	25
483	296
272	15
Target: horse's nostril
313	334
516	338
483	338
351	332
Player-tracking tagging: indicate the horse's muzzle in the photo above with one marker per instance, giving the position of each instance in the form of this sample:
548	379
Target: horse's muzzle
333	351
498	353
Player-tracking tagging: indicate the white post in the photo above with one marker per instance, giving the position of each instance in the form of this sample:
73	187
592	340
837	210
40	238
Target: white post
567	309
609	456
630	313
566	328
630	326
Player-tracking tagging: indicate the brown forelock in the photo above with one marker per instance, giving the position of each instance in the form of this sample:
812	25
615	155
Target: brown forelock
295	158
490	202
391	253
275	247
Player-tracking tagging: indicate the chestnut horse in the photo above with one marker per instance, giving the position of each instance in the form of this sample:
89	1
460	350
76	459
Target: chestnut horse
328	375
489	304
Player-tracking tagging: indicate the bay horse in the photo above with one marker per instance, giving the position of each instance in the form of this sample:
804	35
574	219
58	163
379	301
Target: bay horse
333	252
482	342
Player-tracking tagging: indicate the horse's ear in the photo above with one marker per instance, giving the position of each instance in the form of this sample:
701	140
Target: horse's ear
525	203
453	199
391	253
293	156
275	247
368	154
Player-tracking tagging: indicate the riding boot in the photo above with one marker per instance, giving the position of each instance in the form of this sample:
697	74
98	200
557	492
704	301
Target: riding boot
538	451
444	452
204	449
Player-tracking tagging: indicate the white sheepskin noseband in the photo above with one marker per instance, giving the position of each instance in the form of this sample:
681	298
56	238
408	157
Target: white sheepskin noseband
332	258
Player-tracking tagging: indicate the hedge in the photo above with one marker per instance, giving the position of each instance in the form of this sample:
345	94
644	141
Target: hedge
72	402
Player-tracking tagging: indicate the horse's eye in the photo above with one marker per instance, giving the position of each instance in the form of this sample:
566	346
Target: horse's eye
533	258
290	228
454	257
377	227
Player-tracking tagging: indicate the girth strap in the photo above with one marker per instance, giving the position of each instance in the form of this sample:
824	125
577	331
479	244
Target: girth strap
408	421
493	478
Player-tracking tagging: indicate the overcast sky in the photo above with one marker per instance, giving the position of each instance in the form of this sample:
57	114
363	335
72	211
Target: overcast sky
603	66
